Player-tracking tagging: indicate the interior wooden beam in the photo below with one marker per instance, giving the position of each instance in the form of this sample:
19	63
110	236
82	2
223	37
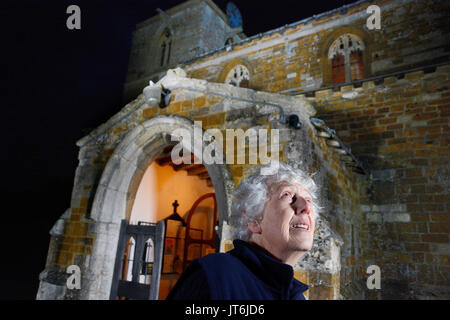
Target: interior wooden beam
185	166
162	161
167	159
203	175
198	169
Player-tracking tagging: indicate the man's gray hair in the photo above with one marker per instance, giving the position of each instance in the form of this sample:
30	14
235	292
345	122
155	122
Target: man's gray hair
252	194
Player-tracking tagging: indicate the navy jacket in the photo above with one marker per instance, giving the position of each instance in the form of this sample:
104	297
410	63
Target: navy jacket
244	273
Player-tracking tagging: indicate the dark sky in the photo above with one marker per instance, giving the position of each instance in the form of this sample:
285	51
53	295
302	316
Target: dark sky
58	84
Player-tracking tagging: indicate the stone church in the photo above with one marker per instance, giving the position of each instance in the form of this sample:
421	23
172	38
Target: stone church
364	108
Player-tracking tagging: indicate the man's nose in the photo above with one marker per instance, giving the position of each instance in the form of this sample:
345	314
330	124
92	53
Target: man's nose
300	205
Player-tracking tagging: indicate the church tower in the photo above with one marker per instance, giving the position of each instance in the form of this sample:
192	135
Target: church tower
175	36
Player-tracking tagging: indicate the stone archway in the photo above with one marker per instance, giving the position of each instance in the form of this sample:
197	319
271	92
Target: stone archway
117	189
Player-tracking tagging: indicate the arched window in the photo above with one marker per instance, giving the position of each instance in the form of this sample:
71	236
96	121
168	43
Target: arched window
166	46
239	76
346	55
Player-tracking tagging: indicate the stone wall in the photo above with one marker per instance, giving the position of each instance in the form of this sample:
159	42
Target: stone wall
392	127
412	34
400	129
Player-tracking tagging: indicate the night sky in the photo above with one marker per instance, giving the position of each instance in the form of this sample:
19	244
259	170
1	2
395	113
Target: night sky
59	84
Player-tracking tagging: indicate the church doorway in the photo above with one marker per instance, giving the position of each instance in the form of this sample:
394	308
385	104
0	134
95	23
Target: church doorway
182	197
139	165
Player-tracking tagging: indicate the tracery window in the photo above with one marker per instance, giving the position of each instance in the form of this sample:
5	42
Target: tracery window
239	76
166	46
346	55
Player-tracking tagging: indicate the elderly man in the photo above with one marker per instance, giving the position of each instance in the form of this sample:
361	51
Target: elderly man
274	219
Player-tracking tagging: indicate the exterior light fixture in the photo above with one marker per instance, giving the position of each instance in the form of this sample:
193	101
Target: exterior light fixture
165	97
294	121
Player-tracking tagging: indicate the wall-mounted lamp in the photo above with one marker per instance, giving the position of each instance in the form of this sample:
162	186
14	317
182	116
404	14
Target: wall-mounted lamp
294	121
165	97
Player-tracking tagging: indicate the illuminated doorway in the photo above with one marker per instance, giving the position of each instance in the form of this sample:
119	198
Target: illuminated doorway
167	190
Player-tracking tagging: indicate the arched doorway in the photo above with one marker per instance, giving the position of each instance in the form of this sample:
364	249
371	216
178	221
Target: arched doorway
181	195
118	187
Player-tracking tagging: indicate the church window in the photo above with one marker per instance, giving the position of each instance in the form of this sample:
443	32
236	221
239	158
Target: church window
356	66
166	46
163	53
346	55
338	68
239	76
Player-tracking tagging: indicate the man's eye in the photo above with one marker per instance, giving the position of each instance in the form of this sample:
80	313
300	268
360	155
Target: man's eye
287	196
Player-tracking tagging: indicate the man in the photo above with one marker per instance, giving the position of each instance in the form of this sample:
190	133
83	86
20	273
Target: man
274	220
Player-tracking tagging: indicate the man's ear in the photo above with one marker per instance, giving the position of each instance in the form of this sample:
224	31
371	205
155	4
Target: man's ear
254	227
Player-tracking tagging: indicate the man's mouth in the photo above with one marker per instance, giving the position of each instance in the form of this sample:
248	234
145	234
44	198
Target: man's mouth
300	226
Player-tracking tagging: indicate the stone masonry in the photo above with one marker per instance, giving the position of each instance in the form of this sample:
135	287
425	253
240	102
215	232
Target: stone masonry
106	181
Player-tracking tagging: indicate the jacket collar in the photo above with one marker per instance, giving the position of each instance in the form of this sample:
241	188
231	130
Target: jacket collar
273	272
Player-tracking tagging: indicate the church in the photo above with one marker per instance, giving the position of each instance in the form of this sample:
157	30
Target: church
358	96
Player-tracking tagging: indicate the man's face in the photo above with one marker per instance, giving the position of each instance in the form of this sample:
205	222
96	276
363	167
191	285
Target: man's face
288	219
